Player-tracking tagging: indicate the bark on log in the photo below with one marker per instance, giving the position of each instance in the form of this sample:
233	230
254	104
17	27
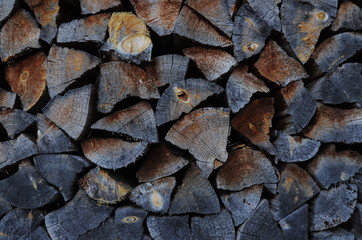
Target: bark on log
162	228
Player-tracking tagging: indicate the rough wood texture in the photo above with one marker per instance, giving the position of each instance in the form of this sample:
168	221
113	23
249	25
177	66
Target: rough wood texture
5	207
6	7
182	96
166	69
19	34
212	62
92	7
333	234
349	16
105	187
341	86
333	124
113	153
162	228
192	26
194	195
241	204
65	66
295	225
15	121
268	11
295	188
154	196
245	168
331	167
118	80
241	86
27	188
357	220
333	207
27	78
204	134
7	99
137	121
160	162
160	16
295	148
249	33
72	111
275	65
303	22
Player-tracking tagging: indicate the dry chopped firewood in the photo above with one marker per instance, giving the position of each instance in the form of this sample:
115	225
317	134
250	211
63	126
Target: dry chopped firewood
18	35
162	228
5	207
46	13
341	86
241	204
212	62
275	65
216	12
166	69
295	225
204	134
271	187
333	207
92	29
27	188
343	45
303	22
268	11
217	226
190	25
232	6
338	233
13	151
154	196
7	99
333	124
295	148
128	38
349	16
245	168
61	170
15	121
27	78
331	167
195	195
295	106
249	33
160	162
160	16
357	220
77	217
113	153
137	121
295	188
118	80
254	121
6	8
104	187
51	139
182	96
65	66
91	7
241	86
260	225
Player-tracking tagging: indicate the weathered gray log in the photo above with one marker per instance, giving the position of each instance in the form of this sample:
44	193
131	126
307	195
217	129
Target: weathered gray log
182	96
160	16
113	153
213	63
72	112
241	204
357	180
7	99
294	189
15	121
77	217
5	207
192	26
249	33
333	207
154	196
295	225
275	65
91	7
267	11
6	8
241	86
349	16
137	121
27	188
65	66
118	80
204	133
216	226
356	220
195	195
160	162
338	233
164	228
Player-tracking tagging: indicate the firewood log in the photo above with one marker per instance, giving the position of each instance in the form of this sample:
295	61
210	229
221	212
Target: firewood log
357	220
333	234
6	8
5	207
268	11
295	225
91	7
15	121
7	99
162	228
349	16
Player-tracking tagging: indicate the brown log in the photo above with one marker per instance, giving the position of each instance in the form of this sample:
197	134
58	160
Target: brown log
7	99
349	16
268	11
15	121
91	7
6	8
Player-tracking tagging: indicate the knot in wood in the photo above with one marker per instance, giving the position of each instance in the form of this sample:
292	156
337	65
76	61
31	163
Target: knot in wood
24	76
130	219
322	16
251	47
182	94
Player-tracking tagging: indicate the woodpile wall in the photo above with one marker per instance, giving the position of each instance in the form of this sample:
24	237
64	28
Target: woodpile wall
173	119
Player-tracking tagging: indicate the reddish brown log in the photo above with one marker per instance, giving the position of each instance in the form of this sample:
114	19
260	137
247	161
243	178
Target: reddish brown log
349	16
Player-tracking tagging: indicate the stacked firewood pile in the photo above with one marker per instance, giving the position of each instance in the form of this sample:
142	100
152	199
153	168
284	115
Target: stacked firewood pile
172	119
